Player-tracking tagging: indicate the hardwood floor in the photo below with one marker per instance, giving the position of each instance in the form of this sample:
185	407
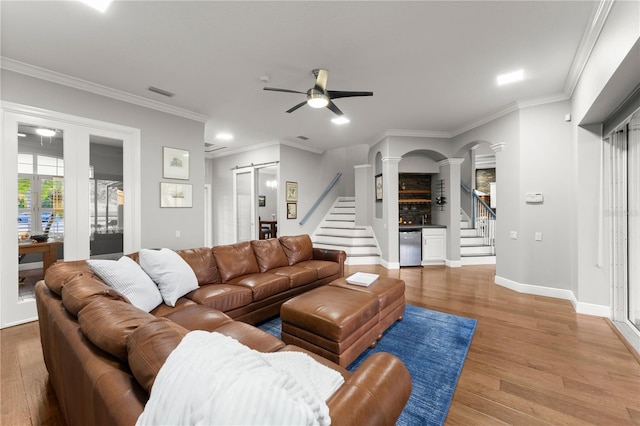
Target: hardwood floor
532	360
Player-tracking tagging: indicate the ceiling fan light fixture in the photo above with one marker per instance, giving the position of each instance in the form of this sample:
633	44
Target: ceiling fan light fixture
45	132
317	100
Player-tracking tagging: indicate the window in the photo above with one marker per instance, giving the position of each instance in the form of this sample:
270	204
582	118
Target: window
40	196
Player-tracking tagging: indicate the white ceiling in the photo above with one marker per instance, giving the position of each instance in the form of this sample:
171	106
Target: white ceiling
432	65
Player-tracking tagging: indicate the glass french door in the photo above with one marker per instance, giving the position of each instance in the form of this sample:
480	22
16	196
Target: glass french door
48	177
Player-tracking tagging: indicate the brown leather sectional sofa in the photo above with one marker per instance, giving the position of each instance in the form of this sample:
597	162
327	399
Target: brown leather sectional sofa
103	353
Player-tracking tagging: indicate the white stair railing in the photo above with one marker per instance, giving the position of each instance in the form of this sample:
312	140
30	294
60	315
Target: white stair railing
484	219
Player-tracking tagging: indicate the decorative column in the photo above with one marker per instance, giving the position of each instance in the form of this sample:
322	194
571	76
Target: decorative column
390	210
450	173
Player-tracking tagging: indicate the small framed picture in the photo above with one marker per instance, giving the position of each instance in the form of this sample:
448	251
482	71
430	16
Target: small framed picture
292	191
292	210
262	200
379	187
176	195
175	163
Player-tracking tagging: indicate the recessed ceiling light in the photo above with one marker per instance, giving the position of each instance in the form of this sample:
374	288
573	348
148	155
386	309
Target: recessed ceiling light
510	77
45	132
100	5
224	136
340	120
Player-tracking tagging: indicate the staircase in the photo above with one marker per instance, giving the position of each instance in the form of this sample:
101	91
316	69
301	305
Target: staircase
338	231
474	250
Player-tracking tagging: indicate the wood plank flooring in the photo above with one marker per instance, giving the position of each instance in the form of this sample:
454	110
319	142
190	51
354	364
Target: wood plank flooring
532	360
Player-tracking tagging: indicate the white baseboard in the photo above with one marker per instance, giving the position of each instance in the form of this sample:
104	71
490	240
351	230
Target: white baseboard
390	265
558	293
592	309
453	263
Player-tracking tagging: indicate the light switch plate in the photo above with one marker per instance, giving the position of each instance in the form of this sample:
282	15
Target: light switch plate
538	236
534	198
513	235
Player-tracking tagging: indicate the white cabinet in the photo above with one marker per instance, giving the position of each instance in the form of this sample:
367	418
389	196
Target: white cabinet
434	245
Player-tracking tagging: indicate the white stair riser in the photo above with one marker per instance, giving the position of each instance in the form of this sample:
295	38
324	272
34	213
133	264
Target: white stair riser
471	241
343	241
342	224
345	217
362	260
347	232
468	232
350	250
480	260
343	210
475	250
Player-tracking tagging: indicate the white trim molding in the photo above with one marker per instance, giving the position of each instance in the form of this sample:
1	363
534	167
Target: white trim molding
98	89
557	293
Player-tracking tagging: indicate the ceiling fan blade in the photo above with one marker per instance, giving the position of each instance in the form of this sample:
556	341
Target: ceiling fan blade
334	108
297	106
273	89
335	94
321	79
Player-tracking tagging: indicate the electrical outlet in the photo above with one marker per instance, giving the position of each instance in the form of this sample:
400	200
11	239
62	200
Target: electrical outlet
178	235
513	235
538	236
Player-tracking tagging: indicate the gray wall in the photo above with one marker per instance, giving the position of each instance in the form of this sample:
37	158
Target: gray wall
158	129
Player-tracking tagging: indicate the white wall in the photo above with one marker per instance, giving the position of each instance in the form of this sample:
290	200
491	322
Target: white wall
221	179
504	130
158	129
545	166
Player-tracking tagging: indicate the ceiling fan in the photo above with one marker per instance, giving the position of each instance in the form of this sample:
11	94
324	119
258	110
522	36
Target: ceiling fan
318	96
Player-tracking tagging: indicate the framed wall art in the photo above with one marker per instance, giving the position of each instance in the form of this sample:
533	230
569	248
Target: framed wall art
176	195
292	191
379	187
292	210
175	163
262	200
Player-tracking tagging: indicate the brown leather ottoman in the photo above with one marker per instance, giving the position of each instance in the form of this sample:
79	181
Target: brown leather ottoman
336	323
390	294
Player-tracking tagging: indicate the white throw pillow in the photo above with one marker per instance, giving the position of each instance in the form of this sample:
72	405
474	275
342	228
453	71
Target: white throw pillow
170	272
126	276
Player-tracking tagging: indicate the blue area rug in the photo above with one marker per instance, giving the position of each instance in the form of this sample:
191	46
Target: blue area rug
433	345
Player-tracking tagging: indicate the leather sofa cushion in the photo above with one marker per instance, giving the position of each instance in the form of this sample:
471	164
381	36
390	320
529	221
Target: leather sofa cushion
203	264
323	268
297	276
223	297
149	346
297	248
235	260
269	254
251	336
107	324
60	273
163	310
263	285
82	290
198	317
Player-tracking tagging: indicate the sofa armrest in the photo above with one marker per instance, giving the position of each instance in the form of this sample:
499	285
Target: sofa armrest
338	256
375	394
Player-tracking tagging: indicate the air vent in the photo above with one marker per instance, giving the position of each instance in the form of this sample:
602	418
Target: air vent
212	147
160	92
303	138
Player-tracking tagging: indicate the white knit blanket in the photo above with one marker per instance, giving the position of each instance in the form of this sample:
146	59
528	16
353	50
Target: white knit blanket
210	379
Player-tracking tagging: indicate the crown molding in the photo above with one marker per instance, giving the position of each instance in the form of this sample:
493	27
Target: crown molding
487	119
549	99
98	89
264	145
587	43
